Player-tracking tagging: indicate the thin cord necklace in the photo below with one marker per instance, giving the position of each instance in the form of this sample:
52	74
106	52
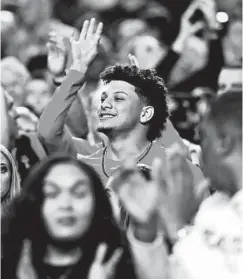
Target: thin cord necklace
140	158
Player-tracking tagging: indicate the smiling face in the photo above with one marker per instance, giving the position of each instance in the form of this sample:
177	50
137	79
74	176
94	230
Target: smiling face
120	108
68	202
5	176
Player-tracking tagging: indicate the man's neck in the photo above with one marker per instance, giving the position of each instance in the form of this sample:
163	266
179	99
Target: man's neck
127	146
62	257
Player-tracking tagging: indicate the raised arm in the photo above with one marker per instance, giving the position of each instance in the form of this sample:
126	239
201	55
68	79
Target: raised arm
51	129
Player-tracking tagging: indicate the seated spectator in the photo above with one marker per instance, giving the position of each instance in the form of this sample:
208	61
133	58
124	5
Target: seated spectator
10	182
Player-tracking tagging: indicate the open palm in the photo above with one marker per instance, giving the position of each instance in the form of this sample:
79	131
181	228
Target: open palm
85	49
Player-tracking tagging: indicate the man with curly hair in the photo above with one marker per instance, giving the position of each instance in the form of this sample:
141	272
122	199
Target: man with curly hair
133	112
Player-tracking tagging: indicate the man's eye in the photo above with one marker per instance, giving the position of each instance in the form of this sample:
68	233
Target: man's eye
119	99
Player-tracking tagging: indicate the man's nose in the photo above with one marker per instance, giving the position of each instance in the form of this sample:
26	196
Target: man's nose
106	104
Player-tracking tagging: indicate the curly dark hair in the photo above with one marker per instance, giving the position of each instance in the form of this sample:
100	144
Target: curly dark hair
24	221
149	86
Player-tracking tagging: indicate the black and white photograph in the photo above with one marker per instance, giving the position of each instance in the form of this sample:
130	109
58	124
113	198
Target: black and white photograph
121	139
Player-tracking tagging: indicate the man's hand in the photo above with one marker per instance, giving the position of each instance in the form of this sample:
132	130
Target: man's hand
101	270
179	198
57	54
85	49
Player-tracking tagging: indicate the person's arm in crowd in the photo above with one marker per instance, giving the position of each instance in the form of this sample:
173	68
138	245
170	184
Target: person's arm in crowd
208	76
77	119
186	30
4	120
51	126
180	195
147	244
51	129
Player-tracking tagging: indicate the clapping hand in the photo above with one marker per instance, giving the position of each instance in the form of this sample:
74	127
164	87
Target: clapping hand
179	198
57	54
101	270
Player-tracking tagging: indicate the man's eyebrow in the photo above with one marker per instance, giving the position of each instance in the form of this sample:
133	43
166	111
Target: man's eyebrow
117	92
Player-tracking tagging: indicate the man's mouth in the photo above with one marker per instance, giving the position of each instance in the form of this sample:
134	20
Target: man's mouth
106	115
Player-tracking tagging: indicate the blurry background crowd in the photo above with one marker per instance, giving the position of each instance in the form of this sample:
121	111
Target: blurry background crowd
149	29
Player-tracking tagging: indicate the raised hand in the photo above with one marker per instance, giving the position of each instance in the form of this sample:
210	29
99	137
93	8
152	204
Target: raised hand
101	270
179	197
187	28
208	7
57	54
85	49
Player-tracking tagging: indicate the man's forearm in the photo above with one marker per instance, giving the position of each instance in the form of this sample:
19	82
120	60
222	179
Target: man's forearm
52	121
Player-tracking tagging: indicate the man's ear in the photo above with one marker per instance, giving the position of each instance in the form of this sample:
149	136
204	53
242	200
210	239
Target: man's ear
146	114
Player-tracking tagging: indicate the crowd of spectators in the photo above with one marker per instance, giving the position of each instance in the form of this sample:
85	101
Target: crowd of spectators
179	216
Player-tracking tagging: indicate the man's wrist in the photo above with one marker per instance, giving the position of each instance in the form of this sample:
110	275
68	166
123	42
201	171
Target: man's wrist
80	68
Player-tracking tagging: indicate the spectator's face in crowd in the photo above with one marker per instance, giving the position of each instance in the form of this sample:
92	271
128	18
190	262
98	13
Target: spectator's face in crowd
99	5
38	94
120	107
34	11
5	175
148	51
68	202
132	5
13	85
215	158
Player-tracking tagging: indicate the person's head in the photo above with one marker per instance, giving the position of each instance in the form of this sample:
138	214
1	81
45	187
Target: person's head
221	142
63	203
10	183
38	95
147	49
132	5
132	100
14	76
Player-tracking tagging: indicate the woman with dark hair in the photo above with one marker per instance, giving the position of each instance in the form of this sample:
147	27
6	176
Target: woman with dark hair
53	229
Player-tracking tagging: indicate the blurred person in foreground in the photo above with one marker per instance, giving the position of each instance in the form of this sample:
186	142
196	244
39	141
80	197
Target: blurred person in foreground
10	181
61	218
132	114
213	247
205	234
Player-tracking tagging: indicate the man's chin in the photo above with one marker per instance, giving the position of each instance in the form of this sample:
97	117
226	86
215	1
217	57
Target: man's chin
104	129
